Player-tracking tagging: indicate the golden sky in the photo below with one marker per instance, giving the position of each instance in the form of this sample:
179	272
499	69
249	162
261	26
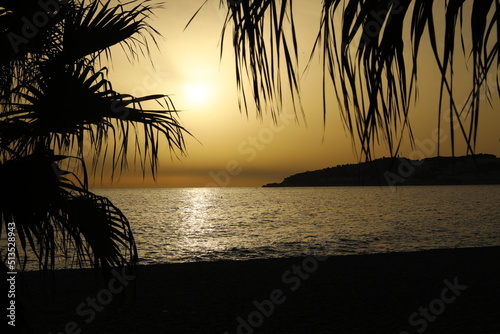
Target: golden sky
230	149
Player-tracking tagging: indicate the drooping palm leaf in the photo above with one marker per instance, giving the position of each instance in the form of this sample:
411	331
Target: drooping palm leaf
364	64
98	231
362	46
265	49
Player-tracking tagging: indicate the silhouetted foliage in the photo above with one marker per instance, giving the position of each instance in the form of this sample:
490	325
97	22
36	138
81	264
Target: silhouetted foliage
57	105
362	45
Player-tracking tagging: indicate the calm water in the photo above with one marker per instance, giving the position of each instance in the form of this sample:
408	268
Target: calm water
206	224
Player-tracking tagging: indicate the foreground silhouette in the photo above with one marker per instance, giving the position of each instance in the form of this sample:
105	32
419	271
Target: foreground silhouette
57	109
371	54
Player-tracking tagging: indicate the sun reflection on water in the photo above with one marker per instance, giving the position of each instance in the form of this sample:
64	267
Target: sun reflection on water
195	227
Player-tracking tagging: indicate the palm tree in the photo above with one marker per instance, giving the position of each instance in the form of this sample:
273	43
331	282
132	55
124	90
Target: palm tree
362	48
56	104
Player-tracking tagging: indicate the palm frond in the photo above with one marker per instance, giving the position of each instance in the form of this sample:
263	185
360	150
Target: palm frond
265	49
55	217
375	69
362	47
68	106
97	231
366	65
94	28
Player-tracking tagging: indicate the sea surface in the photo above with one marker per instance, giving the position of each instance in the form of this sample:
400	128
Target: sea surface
209	224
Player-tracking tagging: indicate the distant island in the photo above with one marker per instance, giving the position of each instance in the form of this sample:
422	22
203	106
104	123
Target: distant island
471	169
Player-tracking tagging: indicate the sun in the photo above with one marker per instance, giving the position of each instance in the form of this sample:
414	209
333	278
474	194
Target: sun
196	94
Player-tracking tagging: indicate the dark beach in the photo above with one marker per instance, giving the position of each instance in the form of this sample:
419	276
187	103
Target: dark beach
436	291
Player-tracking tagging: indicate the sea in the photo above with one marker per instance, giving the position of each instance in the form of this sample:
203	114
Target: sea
210	224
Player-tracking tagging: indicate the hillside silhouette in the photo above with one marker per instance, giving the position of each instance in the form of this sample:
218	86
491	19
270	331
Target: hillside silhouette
472	169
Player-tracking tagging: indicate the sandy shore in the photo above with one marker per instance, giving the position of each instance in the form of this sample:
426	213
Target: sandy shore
437	291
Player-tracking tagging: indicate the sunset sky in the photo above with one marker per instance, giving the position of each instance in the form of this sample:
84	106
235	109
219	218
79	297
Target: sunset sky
229	149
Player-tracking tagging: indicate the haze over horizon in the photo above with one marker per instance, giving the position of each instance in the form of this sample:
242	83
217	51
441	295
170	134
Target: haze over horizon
233	149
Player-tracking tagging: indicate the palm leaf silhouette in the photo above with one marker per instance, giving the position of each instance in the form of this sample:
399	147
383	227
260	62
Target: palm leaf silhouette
56	104
262	57
362	47
94	28
65	106
54	216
